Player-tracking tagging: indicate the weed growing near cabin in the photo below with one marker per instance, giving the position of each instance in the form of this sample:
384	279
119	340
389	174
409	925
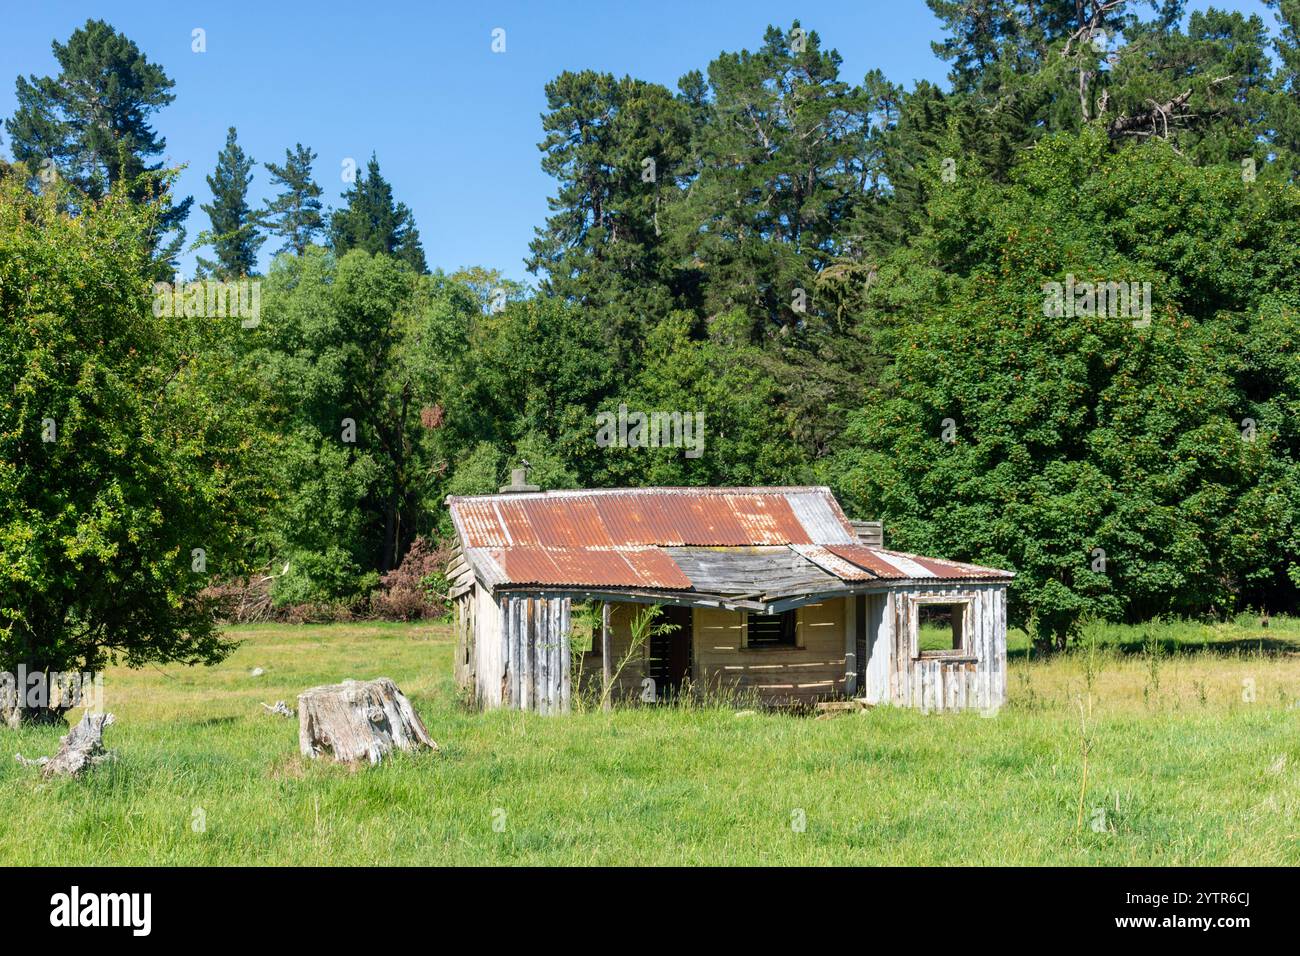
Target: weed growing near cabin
1205	772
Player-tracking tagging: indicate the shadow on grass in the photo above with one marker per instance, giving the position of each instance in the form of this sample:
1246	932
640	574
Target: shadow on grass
1170	647
1255	646
215	721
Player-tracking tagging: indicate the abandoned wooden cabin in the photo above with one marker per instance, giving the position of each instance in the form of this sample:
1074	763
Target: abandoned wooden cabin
770	594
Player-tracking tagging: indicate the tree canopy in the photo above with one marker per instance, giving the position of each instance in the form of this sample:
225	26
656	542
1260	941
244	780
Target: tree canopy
1041	316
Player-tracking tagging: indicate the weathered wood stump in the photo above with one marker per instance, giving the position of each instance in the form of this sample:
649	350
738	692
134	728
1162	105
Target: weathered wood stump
81	747
358	720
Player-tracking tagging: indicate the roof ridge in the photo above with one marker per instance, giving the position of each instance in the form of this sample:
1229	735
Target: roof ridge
648	489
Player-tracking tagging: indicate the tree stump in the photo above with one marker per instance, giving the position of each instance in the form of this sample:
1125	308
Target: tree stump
358	720
81	747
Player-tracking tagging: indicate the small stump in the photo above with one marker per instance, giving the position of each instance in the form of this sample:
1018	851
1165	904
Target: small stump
81	748
358	720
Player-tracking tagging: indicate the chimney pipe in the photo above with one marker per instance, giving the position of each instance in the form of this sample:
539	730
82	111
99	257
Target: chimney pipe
518	482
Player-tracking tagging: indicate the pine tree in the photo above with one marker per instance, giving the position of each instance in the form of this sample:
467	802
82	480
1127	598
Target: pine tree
295	214
1284	112
233	236
617	149
372	221
91	122
781	161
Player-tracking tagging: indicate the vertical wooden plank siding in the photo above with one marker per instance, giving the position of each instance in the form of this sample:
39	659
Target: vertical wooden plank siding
508	609
489	637
525	654
536	636
850	648
524	663
878	652
973	680
566	663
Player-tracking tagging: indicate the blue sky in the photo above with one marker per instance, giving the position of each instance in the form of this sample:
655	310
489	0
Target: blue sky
455	125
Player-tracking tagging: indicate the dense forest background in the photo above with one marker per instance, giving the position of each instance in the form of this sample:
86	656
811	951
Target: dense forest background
846	277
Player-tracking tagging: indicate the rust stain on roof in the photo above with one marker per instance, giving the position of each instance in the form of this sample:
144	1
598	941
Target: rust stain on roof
591	567
826	559
867	559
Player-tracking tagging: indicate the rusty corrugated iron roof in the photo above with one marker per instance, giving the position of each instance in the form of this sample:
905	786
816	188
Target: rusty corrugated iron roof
591	567
827	560
629	537
896	565
665	517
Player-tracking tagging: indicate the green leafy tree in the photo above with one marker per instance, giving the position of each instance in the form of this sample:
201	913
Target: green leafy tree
90	124
1122	469
373	222
534	372
740	431
361	351
131	465
233	235
295	213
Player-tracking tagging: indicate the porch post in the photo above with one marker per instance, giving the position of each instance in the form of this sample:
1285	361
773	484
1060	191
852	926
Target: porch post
851	646
606	666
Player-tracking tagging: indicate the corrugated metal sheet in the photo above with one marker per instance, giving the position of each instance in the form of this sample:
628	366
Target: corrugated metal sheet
869	559
668	517
590	567
827	560
751	571
895	565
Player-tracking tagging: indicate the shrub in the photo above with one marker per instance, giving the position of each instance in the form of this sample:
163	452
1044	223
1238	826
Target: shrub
417	588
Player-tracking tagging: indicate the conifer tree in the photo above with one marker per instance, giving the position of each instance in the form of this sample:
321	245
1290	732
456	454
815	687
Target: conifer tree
90	123
295	214
374	222
233	237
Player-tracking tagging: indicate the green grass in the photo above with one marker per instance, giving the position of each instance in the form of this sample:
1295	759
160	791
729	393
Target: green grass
1182	770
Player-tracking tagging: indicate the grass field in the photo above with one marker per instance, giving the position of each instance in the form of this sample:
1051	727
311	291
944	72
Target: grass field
1184	767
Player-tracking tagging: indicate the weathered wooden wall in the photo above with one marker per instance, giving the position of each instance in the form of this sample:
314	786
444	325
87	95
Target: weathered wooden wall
489	664
975	679
536	655
519	656
813	671
465	660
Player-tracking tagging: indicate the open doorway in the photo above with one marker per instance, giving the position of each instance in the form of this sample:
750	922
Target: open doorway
670	652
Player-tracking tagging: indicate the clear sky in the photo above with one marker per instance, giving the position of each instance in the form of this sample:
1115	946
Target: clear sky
455	125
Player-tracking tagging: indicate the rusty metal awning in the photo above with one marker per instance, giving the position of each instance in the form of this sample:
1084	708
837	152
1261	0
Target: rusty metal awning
594	567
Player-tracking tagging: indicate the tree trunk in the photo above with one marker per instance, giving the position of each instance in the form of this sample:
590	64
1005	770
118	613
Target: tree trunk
17	708
81	747
358	720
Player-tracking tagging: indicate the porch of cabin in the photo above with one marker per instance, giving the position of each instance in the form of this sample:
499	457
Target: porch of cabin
882	647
